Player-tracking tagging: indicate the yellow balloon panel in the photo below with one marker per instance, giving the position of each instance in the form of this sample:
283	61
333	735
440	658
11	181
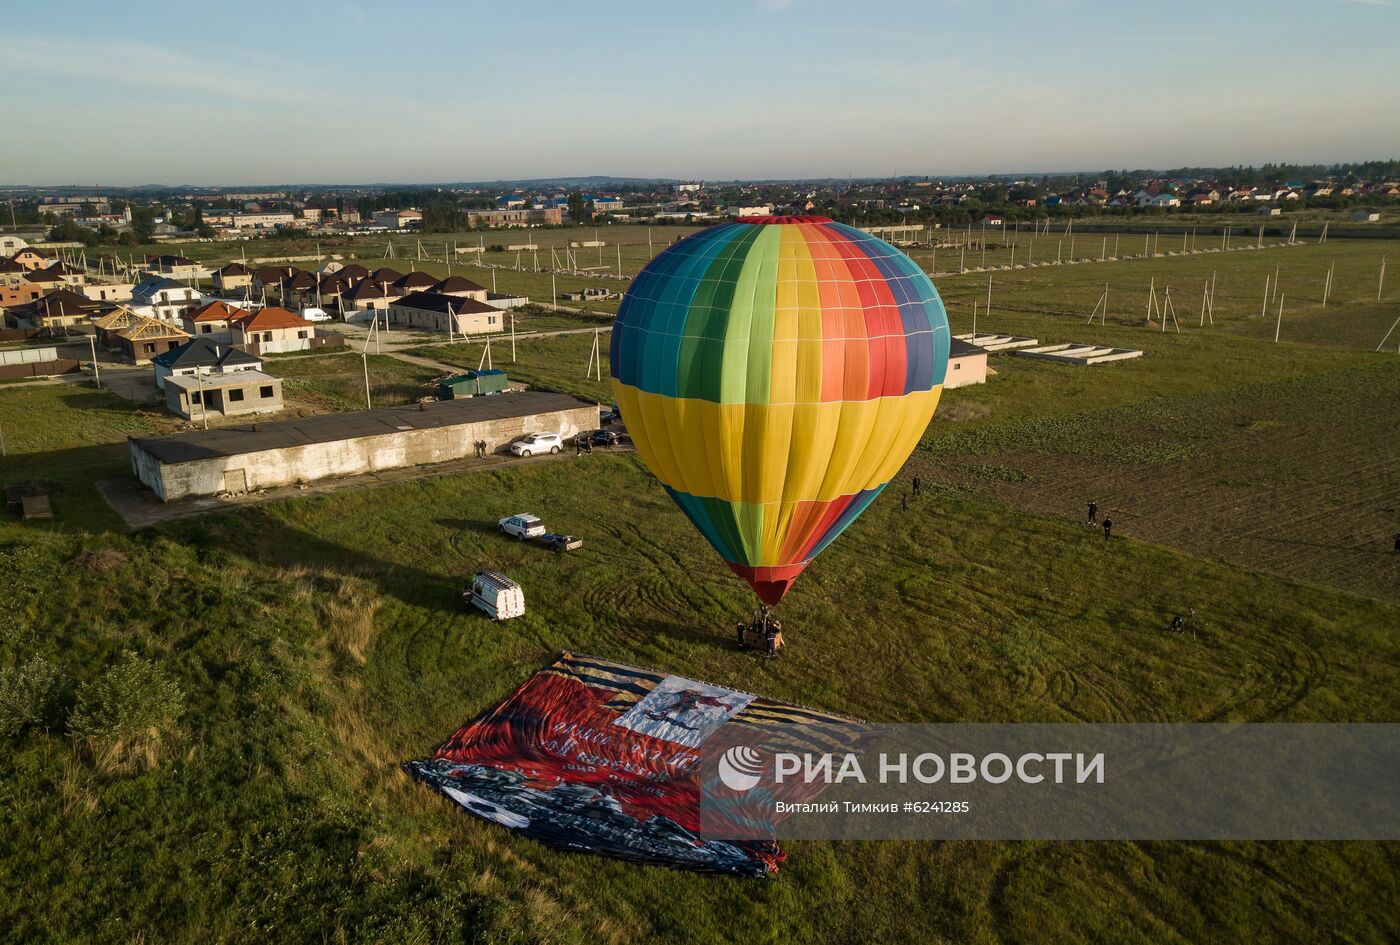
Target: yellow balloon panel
744	452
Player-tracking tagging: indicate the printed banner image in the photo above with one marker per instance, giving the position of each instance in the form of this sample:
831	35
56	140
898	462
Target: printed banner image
600	757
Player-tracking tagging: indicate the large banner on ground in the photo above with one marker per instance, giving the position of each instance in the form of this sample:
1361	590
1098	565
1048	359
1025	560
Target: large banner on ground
596	756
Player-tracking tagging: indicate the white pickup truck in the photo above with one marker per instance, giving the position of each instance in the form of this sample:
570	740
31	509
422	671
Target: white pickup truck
522	526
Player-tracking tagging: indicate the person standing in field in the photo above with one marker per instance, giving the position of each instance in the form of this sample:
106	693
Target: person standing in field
1107	528
1093	512
918	484
904	502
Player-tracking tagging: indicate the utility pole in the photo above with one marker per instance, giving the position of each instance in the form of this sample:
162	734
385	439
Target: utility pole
364	361
1393	326
97	374
595	356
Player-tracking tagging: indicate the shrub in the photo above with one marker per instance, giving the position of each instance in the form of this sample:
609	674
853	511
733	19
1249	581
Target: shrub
134	700
31	694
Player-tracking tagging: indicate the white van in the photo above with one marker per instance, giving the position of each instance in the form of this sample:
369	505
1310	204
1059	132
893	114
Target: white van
496	594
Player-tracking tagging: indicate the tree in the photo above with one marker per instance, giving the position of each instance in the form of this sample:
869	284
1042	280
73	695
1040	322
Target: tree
579	210
68	231
203	229
143	223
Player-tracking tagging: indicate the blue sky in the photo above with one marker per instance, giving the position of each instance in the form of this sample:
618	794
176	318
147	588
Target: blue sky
254	92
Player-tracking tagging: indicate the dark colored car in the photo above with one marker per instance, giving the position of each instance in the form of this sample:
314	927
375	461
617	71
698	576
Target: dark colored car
605	438
560	543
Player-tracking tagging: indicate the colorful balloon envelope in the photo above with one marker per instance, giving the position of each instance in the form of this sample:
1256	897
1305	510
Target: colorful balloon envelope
775	373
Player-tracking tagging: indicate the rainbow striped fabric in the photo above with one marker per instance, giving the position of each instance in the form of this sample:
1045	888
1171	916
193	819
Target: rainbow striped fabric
775	373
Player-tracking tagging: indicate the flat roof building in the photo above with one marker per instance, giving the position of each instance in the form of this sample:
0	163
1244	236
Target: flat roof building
243	458
206	396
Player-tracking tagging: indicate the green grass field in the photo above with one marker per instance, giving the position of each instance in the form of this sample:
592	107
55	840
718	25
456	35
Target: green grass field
559	363
337	381
319	641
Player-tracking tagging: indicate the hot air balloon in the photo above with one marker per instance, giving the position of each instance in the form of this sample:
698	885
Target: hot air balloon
774	374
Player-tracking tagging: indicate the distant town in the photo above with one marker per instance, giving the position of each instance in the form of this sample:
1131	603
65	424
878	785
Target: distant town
134	216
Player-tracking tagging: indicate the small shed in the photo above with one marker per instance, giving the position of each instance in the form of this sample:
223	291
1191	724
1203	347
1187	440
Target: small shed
967	364
471	384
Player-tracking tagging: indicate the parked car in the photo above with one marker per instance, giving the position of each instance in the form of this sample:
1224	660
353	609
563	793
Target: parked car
560	543
522	526
606	438
315	314
607	415
496	594
533	443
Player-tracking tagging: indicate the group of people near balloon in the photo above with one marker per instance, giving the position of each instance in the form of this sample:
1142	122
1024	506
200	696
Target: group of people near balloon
764	632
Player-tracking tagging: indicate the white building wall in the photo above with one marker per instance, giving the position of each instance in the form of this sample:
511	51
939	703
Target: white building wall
290	465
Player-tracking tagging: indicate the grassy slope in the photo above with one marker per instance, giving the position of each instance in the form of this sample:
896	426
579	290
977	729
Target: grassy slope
320	642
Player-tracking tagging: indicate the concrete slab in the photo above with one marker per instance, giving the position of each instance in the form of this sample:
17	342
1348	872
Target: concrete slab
1078	354
991	341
